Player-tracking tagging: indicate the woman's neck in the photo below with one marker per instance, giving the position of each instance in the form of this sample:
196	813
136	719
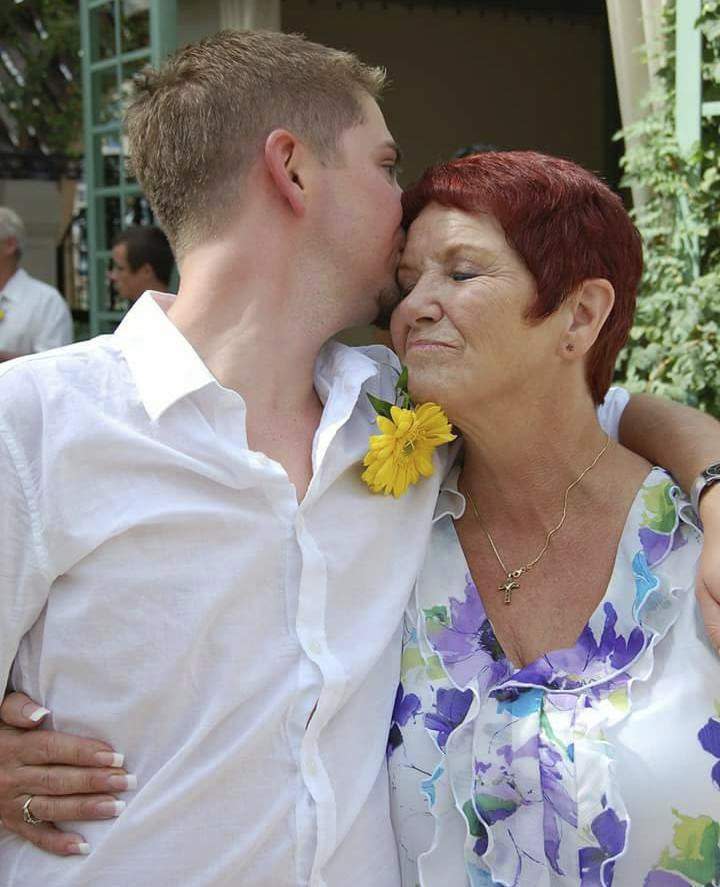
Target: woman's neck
520	459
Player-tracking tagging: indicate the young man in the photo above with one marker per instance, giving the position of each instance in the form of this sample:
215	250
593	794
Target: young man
141	260
192	570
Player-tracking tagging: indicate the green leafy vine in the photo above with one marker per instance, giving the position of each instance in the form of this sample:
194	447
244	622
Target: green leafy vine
673	347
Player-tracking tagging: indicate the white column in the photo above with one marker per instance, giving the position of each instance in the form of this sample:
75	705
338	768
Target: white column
633	24
250	14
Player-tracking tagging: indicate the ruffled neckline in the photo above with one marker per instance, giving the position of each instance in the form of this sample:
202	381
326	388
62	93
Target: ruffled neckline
617	632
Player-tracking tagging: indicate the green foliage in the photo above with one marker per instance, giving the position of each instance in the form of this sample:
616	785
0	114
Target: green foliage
673	347
42	38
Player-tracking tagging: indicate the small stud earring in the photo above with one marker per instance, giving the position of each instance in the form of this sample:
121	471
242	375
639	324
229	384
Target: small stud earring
569	347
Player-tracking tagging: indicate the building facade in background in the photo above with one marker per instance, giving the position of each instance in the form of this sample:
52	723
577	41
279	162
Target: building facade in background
552	75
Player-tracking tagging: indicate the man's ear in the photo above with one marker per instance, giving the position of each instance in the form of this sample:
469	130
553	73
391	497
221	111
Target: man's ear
283	157
588	307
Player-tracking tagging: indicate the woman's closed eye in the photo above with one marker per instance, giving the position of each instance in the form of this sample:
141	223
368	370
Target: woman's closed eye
460	276
393	170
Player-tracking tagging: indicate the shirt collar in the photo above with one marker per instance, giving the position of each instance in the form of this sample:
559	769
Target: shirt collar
164	365
166	368
349	366
12	290
451	501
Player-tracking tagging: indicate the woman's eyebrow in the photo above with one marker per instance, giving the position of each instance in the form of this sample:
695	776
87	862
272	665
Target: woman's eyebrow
459	248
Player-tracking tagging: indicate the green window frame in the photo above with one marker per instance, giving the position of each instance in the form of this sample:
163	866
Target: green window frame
118	38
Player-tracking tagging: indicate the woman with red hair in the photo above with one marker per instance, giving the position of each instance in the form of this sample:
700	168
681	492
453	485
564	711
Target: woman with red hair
556	723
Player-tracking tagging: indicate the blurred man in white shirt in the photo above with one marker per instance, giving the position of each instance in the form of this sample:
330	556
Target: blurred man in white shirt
33	315
142	260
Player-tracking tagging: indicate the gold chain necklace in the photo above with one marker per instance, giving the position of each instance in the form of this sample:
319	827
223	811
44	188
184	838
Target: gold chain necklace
511	581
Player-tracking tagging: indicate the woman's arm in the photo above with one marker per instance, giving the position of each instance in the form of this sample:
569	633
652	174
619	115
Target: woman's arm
685	441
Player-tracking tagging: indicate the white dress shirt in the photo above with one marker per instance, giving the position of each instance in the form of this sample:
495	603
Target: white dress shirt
161	588
35	317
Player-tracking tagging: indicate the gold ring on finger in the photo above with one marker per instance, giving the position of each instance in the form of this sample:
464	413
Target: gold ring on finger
27	815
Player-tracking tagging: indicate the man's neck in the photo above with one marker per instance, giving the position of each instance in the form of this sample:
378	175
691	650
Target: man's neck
252	335
258	314
7	271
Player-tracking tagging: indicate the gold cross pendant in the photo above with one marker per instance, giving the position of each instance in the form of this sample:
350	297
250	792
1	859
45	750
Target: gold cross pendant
509	586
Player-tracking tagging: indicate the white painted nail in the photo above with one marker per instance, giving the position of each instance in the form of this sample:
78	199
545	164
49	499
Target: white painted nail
109	759
37	712
110	808
81	849
126	783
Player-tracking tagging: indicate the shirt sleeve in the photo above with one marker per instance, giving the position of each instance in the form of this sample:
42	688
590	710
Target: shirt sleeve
611	409
23	582
57	326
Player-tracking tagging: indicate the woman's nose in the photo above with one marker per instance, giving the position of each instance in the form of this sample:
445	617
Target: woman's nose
421	304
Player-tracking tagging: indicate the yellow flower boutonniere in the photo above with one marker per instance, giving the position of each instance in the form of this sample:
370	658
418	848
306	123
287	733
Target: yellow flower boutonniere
402	453
2	314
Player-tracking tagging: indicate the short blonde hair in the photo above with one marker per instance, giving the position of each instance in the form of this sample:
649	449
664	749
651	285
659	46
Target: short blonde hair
11	225
196	124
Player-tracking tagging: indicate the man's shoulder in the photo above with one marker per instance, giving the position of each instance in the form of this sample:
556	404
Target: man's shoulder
39	289
58	371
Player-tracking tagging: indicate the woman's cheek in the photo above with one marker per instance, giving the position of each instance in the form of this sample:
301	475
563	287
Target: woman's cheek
398	334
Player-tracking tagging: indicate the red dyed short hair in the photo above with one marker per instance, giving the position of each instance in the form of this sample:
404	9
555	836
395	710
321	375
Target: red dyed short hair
565	223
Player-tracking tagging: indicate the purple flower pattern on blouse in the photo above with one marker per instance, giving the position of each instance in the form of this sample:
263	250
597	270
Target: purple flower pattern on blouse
694	859
451	706
709	737
536	707
596	865
588	662
406	707
466	642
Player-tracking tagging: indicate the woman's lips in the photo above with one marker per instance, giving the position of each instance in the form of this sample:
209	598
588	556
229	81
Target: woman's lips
428	345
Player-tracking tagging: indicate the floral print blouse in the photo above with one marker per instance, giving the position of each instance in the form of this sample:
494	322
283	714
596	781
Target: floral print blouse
595	765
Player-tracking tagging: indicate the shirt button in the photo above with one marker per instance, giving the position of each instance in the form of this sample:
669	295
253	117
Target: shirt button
312	768
316	647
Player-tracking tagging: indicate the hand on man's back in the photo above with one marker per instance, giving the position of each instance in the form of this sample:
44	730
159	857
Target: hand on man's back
66	776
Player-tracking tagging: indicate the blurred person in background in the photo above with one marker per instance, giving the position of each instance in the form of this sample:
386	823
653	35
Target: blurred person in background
33	315
141	260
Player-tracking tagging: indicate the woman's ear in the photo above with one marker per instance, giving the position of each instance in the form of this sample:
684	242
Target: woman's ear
283	159
588	308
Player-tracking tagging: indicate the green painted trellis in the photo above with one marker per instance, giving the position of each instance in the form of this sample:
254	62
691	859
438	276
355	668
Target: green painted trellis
119	37
690	108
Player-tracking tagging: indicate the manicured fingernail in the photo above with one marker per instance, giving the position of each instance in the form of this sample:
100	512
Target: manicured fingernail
109	758
123	783
81	849
110	808
34	712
